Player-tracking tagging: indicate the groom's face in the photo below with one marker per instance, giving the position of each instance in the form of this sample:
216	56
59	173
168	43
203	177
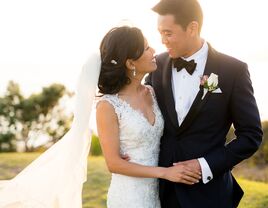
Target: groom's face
174	37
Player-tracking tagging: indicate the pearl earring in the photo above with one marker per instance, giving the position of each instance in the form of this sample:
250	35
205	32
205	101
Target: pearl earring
134	71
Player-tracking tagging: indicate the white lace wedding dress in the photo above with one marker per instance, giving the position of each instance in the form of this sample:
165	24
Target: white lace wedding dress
140	140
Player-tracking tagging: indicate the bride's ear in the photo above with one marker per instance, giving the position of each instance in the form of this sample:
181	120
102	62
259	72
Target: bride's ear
130	64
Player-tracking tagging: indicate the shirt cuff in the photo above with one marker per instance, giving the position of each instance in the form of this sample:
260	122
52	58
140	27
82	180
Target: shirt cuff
206	171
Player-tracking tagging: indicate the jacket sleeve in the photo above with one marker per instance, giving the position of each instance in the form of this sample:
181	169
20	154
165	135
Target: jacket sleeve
247	124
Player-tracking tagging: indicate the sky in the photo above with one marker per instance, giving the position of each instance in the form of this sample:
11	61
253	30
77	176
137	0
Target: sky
47	41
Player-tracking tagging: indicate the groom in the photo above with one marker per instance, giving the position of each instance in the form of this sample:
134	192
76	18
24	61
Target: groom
197	114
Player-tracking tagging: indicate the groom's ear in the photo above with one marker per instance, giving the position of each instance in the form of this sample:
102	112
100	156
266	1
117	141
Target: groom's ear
193	28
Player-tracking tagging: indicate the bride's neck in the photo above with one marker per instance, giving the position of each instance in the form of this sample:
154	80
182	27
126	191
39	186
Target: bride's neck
134	88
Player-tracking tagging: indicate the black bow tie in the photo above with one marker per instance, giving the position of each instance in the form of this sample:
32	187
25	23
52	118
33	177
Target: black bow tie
180	63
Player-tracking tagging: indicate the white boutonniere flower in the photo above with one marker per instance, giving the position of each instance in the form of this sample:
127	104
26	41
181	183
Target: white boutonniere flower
210	84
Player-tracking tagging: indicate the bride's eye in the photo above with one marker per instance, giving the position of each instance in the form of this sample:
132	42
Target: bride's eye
147	48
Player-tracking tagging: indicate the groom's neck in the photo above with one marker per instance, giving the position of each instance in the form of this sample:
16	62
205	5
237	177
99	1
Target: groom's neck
195	46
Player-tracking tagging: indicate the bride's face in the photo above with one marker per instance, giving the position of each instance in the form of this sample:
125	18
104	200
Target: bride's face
146	63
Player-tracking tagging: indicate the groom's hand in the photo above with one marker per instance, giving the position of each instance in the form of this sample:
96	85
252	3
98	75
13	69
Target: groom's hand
193	164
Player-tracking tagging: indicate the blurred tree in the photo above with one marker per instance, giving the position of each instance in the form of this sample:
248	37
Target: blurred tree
8	124
7	142
22	118
261	156
95	148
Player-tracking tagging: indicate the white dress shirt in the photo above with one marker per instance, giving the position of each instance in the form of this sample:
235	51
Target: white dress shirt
185	88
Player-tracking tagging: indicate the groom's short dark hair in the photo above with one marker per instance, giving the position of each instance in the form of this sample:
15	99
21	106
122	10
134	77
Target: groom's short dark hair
184	11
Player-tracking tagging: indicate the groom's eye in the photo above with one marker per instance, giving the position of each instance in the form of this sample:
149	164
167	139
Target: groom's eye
168	34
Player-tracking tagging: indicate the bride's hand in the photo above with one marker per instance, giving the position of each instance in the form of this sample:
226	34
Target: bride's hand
181	173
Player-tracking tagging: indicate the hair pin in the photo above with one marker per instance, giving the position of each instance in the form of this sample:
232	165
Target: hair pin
113	62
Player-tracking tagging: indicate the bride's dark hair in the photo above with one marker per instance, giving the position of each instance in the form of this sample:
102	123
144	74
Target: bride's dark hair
118	45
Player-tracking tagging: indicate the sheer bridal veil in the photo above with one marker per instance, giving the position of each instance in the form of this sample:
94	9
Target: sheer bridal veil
55	179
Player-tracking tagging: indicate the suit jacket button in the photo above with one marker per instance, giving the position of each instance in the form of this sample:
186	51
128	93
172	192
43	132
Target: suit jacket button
209	178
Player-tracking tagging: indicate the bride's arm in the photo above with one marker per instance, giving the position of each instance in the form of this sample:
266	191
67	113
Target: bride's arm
108	131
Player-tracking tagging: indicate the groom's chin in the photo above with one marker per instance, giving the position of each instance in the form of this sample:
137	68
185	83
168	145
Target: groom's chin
171	55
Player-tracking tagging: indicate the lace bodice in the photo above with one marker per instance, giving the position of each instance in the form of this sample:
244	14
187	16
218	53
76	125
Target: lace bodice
141	141
138	138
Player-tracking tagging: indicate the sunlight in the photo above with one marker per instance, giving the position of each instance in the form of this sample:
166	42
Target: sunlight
50	40
237	27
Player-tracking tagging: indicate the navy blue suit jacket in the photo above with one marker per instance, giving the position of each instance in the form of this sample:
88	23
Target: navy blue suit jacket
203	131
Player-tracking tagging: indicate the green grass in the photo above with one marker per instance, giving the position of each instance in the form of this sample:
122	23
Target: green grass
95	189
256	194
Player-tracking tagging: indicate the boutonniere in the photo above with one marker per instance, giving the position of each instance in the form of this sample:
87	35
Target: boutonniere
210	84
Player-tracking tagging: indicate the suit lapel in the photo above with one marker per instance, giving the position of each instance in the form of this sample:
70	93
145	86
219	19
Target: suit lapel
169	99
198	103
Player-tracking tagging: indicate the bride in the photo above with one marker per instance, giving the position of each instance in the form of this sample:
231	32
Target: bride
129	122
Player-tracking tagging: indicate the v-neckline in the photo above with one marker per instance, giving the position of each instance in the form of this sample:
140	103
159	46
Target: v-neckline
139	111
